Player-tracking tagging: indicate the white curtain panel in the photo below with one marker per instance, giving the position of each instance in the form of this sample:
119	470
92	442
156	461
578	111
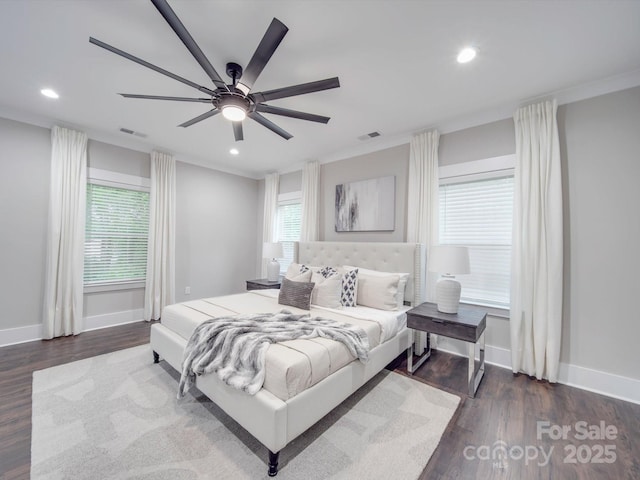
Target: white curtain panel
63	290
422	208
310	202
160	281
536	276
271	189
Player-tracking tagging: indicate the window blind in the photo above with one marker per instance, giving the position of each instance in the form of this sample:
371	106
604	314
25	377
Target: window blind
116	232
289	221
479	215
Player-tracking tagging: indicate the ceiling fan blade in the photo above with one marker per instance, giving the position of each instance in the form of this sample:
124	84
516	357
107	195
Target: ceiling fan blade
285	112
157	97
268	45
174	22
294	90
199	118
144	63
269	124
237	131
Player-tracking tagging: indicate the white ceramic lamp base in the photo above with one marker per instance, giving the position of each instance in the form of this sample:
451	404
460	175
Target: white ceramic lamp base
448	295
273	270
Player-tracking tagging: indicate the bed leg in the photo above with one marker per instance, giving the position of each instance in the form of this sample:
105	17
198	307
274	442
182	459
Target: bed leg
156	357
273	463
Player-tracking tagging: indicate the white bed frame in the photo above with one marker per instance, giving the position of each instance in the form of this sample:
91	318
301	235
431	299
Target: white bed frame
275	422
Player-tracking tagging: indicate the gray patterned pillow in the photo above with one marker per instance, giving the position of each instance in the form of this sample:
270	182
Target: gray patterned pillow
349	288
295	294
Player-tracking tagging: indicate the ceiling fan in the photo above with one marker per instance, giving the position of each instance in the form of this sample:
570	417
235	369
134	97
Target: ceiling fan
235	101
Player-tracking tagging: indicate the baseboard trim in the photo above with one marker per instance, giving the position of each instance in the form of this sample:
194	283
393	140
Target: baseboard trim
13	336
596	381
96	322
30	333
609	384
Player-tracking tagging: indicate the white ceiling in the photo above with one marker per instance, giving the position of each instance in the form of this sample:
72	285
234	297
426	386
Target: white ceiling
395	60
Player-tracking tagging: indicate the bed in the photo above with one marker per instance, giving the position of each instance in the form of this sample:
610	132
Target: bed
282	410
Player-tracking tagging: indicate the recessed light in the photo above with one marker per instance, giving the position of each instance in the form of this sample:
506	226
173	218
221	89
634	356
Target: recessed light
47	92
234	151
466	55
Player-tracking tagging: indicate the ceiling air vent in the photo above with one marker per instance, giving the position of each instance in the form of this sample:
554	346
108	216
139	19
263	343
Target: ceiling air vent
369	136
131	132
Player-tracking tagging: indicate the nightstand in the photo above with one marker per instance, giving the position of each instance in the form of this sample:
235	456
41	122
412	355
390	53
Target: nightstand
467	325
263	284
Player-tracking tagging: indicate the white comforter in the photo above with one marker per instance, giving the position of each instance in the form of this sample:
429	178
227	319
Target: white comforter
294	365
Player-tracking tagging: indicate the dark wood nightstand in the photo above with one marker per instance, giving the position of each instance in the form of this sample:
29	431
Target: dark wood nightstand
467	325
263	284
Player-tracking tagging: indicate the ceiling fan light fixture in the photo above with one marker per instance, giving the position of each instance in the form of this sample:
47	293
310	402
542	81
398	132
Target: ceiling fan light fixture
234	107
234	113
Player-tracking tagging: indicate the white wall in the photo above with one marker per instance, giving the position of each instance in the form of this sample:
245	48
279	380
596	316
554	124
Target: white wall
24	198
289	182
493	139
118	159
216	230
600	147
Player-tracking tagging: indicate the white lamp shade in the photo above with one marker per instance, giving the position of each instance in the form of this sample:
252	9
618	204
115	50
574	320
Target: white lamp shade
448	259
272	250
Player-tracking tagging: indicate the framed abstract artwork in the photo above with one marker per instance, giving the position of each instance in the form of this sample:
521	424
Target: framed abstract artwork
366	205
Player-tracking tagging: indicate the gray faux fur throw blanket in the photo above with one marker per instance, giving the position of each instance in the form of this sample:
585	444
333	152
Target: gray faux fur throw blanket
235	347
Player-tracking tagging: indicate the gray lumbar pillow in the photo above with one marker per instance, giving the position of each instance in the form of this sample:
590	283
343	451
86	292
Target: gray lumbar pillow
295	294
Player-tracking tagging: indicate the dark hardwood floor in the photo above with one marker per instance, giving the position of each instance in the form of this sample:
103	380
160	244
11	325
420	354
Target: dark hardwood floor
496	435
18	362
507	408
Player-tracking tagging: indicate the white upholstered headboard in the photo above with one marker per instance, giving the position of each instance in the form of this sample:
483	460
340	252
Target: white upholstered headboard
385	257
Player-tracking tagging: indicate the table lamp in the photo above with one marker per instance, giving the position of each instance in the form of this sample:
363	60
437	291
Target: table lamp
448	260
272	251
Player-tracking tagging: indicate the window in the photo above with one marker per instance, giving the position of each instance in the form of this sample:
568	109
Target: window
477	212
289	220
116	232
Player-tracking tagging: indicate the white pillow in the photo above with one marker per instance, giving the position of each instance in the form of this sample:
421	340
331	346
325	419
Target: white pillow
327	290
294	273
293	270
364	274
378	291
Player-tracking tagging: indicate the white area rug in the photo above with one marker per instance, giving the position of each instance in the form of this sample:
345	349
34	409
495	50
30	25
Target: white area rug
116	416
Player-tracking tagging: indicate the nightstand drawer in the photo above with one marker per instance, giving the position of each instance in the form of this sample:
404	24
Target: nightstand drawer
468	333
468	324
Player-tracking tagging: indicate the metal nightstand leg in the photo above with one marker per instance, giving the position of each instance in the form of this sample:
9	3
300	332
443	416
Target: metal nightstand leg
425	356
475	376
